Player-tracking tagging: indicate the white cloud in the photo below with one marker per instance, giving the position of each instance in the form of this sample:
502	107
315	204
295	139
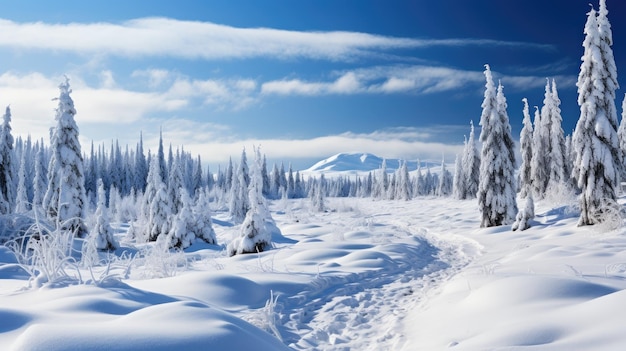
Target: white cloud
205	40
417	79
215	143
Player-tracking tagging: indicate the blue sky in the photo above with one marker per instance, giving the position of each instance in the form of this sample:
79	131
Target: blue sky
303	79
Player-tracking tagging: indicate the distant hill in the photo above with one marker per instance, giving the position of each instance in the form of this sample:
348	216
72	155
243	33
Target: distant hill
361	163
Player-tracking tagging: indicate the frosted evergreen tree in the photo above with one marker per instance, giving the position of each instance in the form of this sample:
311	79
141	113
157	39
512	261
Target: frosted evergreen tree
318	195
471	165
458	182
65	201
161	159
556	141
175	183
403	186
383	181
525	215
153	183
160	214
539	166
202	214
257	227
526	151
496	190
8	176
239	203
266	179
621	136
40	181
101	231
444	186
21	202
595	142
183	230
140	169
197	180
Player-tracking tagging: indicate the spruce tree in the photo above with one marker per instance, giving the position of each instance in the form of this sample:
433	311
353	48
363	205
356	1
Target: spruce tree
621	136
595	142
471	165
21	202
257	227
102	231
458	182
526	150
8	176
556	141
65	201
496	190
40	181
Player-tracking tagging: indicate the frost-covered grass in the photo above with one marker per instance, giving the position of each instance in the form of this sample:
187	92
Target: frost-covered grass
363	275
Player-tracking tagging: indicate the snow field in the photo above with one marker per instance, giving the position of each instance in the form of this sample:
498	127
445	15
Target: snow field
366	275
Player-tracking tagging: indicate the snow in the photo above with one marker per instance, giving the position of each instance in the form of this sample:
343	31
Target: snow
359	163
364	275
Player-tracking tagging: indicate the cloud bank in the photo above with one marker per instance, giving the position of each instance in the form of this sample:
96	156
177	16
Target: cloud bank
165	37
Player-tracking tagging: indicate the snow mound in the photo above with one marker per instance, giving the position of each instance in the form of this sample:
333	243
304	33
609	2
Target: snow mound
125	318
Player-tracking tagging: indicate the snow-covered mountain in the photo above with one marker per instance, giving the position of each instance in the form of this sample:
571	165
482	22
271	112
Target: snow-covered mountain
361	162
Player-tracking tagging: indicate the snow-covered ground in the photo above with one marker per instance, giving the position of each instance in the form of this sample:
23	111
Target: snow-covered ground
366	275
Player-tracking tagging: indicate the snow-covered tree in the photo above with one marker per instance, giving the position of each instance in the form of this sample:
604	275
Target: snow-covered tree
525	215
102	231
257	227
175	183
403	184
140	169
444	186
40	181
239	203
8	176
65	201
183	230
160	215
595	142
621	136
556	141
526	150
202	214
317	194
471	165
539	167
21	202
496	190
458	182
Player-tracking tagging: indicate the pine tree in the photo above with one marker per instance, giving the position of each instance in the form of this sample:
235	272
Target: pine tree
140	168
556	141
403	188
595	140
621	136
526	150
175	183
458	182
496	190
471	165
7	165
202	214
160	216
444	186
21	202
65	200
257	227
102	231
40	181
183	231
